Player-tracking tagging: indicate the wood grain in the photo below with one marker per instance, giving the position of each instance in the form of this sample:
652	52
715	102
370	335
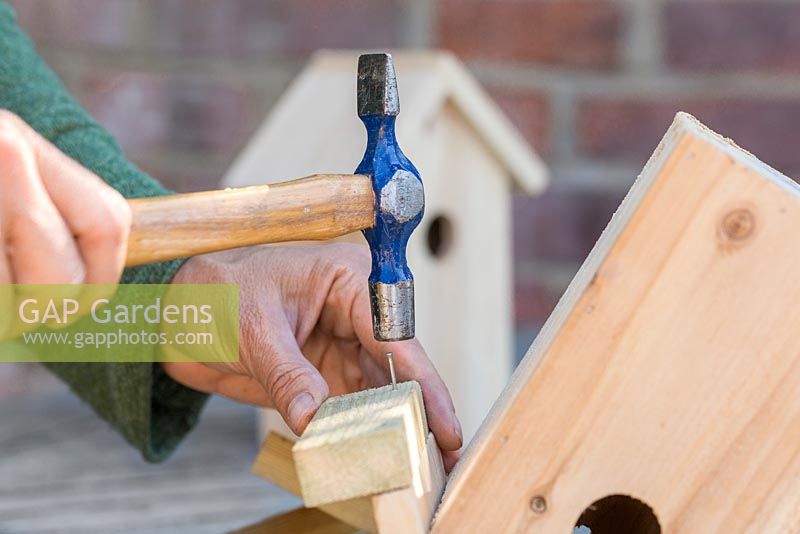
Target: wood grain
406	510
300	520
410	510
669	370
312	208
362	443
276	464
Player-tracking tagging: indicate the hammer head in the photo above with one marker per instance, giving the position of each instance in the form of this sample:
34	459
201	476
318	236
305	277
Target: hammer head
399	200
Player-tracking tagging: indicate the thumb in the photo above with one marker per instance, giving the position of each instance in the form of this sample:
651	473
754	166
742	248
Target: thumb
296	388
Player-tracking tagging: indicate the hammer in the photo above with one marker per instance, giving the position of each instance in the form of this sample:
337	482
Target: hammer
384	199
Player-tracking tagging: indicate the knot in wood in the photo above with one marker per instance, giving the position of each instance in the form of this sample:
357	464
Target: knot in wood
538	504
738	225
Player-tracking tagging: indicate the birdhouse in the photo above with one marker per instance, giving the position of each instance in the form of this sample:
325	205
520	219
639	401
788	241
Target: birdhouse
470	158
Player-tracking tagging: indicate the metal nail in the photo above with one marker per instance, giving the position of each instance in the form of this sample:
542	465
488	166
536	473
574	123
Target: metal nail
390	355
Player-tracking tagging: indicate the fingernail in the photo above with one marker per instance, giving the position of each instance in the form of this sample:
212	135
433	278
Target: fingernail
301	409
457	428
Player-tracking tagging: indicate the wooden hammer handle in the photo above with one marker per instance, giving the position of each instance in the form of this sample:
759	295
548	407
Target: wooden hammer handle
321	206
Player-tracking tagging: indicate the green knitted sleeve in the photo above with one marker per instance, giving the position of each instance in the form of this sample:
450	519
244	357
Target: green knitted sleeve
147	407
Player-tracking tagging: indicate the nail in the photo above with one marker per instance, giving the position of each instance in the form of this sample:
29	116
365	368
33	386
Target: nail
301	410
390	355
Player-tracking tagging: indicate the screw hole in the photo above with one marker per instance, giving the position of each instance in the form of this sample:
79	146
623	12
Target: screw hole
619	514
440	236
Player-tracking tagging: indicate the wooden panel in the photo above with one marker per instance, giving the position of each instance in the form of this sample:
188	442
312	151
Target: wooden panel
361	443
668	372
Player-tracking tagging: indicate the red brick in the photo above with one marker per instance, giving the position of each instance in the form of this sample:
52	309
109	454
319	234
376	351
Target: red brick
533	302
76	23
281	27
182	179
150	112
630	129
722	35
530	112
555	32
560	225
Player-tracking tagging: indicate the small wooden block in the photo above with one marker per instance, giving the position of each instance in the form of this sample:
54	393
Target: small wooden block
410	510
361	444
305	520
406	510
276	464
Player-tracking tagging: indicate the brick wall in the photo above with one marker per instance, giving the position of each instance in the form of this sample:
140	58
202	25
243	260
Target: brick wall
592	84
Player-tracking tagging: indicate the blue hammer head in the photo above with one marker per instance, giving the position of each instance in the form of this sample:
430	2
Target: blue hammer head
399	200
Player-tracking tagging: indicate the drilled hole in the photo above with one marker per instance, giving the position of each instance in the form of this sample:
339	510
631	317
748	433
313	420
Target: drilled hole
619	514
440	236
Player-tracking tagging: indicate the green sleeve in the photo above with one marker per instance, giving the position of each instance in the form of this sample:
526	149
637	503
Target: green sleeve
148	408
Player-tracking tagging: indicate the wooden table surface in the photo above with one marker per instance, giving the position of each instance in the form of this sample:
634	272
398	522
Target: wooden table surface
64	470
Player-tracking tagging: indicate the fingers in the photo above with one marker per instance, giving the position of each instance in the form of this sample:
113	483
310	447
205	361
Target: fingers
450	459
412	363
97	215
62	223
378	376
375	374
38	241
206	378
294	385
42	249
245	389
6	295
5	267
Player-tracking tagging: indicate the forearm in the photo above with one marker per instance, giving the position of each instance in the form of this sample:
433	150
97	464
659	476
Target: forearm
151	410
30	89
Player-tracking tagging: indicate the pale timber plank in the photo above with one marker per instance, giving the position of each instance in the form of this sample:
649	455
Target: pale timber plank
275	463
298	521
669	370
362	443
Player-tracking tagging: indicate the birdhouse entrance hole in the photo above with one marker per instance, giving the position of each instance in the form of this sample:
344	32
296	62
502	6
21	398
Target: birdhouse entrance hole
619	514
440	236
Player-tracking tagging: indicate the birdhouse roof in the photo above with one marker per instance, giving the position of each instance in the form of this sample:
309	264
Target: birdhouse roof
310	124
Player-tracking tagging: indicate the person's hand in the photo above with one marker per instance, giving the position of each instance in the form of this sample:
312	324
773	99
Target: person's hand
306	333
59	222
